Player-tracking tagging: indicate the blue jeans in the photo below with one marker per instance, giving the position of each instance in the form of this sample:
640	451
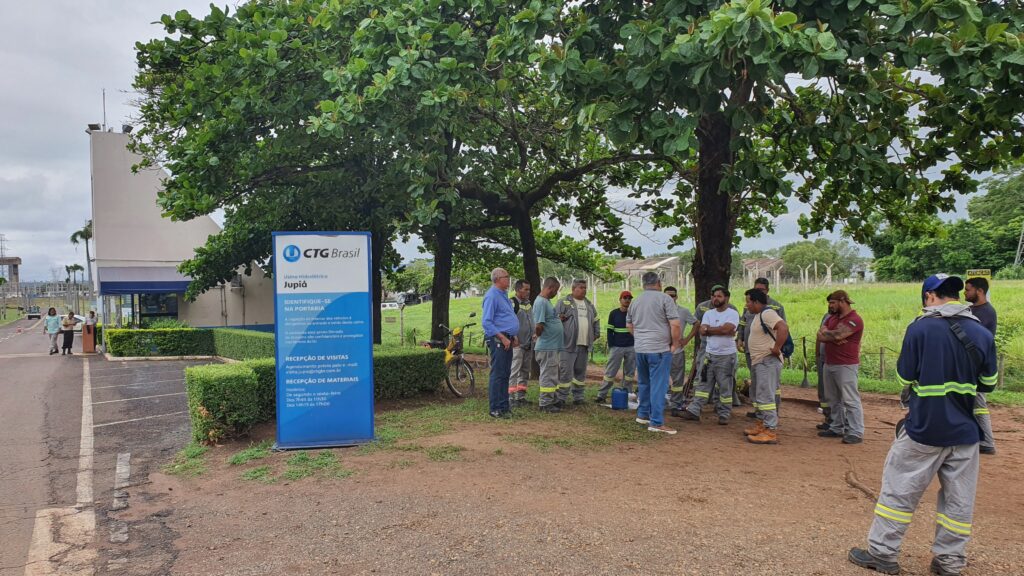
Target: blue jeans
653	371
501	368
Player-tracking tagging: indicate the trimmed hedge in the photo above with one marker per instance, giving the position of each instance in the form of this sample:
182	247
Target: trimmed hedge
243	344
225	400
160	342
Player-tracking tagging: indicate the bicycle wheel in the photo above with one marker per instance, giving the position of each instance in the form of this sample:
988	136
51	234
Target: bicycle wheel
460	378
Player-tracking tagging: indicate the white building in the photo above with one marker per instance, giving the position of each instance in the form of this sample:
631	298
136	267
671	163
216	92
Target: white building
137	251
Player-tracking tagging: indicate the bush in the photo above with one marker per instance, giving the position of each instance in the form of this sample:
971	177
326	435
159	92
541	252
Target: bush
243	344
405	372
160	342
164	323
224	400
266	379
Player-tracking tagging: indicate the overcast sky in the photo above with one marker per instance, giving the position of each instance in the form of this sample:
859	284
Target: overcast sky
56	59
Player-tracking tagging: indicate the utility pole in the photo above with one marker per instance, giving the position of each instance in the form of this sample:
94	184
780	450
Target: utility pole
4	273
1020	249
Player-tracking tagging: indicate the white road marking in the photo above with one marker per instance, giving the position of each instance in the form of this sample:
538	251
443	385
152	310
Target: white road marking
139	398
137	384
119	528
154	373
61	536
137	419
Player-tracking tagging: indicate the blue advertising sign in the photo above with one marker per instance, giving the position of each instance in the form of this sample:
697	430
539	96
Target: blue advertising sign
324	338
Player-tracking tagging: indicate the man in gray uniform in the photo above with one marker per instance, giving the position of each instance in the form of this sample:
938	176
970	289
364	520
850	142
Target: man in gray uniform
976	292
946	359
548	344
677	387
718	326
581	328
522	356
743	334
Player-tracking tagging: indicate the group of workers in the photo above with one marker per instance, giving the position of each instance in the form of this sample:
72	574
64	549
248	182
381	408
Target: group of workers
947	363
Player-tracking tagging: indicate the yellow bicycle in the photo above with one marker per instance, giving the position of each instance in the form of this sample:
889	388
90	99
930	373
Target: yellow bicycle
458	373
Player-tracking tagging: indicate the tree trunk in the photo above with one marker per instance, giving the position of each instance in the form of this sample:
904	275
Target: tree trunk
377	244
531	263
715	222
440	289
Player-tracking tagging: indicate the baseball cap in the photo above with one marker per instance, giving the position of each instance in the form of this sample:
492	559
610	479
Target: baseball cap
839	296
933	282
625	294
717	287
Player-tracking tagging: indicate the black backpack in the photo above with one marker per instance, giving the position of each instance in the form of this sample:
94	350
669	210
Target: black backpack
787	347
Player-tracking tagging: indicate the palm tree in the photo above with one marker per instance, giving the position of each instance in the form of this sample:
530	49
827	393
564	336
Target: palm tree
84	235
75	269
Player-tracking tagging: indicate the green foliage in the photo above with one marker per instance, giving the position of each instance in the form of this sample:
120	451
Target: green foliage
164	324
253	452
243	344
951	248
1003	200
266	386
406	372
189	462
160	342
224	401
1010	273
799	255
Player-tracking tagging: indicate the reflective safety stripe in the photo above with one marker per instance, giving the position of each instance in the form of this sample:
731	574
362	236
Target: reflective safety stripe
576	382
628	379
824	404
981	411
548	389
765	406
676	388
953	525
566	385
904	382
609	380
892	514
989	380
943	389
619	330
700	394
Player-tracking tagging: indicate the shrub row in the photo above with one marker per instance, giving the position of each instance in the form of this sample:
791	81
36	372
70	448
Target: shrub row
226	400
160	342
226	342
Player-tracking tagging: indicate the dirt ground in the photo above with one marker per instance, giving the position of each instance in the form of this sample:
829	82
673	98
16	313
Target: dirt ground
702	502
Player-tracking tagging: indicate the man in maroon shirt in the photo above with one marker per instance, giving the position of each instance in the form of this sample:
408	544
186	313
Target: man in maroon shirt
841	334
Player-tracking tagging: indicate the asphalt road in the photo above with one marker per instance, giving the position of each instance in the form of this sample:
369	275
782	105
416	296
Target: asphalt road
77	433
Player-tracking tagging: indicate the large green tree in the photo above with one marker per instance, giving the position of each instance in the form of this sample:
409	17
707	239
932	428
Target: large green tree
1003	199
856	108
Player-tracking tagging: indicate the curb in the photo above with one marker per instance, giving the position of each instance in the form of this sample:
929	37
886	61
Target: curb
111	358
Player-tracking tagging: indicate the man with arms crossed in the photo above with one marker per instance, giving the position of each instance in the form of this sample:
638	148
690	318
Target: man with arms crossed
653	319
548	346
581	327
946	359
976	292
718	326
841	335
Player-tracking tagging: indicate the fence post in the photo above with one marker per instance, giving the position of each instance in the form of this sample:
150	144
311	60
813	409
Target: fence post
999	382
881	363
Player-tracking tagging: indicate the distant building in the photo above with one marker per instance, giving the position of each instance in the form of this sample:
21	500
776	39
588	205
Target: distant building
668	268
770	268
137	251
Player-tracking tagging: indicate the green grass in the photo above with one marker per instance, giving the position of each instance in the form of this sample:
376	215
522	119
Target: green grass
445	453
325	464
259	474
189	462
253	452
887	309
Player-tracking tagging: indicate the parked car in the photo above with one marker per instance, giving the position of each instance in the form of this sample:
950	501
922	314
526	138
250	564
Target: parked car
389	305
407	299
33	312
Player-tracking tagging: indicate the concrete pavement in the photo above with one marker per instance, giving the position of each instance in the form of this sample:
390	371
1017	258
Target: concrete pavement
78	432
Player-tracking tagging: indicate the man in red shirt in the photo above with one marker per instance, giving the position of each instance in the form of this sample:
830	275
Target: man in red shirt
841	335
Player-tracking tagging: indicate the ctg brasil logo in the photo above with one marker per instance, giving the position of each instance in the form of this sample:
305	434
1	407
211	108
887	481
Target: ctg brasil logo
292	253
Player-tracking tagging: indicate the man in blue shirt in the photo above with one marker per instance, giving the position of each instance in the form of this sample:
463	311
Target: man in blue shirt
501	327
946	359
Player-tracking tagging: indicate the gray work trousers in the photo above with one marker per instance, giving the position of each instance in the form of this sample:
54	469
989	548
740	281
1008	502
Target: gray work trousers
572	373
753	389
520	375
843	397
769	378
548	360
819	368
721	373
677	382
53	341
618	357
981	414
909	469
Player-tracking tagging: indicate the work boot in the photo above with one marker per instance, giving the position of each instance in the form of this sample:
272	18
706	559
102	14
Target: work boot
755	429
829	434
851	439
600	399
864	559
991	450
723	421
752	414
767	436
550	409
823	426
939	569
687	415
